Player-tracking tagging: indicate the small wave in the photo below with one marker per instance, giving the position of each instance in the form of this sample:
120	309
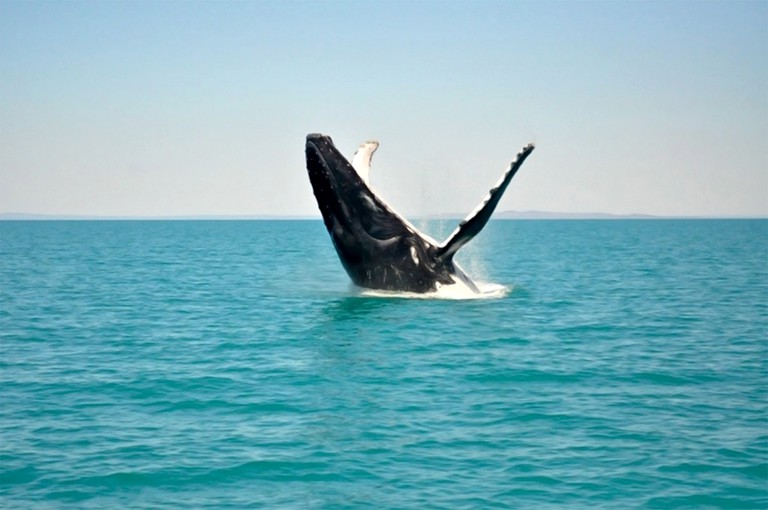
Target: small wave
452	292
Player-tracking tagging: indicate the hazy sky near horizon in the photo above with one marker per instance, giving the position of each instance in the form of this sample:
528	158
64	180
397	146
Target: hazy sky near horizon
201	108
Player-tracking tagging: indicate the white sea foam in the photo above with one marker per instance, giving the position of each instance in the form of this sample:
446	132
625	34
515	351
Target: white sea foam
455	292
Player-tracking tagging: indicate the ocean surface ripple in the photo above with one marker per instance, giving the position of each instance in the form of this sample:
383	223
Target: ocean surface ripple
217	364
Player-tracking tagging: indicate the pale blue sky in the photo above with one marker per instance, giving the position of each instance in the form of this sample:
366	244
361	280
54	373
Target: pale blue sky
201	108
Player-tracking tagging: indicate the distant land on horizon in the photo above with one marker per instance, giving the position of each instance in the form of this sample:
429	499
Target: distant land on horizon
503	215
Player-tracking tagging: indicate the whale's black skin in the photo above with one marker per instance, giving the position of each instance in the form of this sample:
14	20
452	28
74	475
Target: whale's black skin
379	249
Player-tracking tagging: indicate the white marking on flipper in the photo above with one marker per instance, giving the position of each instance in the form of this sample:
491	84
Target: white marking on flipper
361	161
466	231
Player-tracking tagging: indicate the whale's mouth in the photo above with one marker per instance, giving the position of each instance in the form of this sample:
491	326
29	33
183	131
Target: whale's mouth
326	164
316	163
324	177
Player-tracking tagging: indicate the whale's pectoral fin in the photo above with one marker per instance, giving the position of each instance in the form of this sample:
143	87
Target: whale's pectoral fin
361	161
475	222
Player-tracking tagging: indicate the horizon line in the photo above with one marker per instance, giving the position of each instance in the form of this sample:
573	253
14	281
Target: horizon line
503	215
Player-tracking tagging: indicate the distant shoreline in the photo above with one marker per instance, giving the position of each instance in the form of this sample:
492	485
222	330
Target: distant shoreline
504	215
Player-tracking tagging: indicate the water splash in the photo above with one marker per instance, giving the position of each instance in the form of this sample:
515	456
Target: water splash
448	292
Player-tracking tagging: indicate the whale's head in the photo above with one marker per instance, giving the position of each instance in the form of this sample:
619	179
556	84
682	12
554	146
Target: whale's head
351	211
339	190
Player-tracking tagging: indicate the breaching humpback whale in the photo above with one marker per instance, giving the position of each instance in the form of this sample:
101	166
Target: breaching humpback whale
378	248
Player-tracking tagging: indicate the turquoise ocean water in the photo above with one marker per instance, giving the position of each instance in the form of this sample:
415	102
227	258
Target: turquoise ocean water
218	364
